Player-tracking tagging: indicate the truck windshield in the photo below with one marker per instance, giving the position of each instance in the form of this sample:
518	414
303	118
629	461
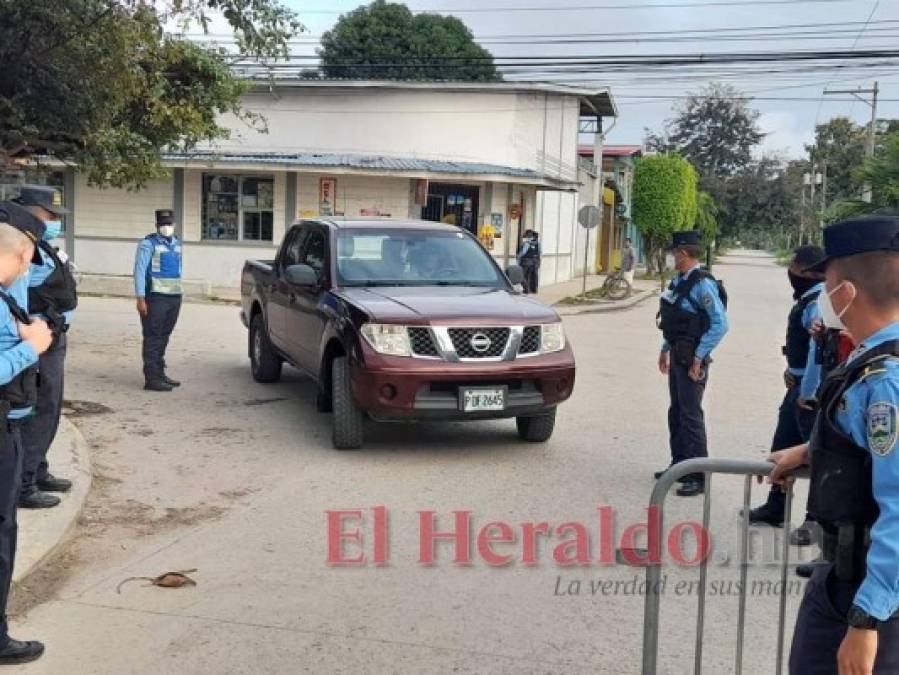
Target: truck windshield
398	257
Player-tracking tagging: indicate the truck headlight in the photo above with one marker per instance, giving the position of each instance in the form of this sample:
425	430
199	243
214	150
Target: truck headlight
552	338
388	339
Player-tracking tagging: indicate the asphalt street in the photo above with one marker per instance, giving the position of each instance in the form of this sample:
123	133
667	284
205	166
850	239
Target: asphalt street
234	479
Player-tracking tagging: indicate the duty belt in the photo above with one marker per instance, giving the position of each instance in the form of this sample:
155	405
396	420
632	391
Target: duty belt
847	548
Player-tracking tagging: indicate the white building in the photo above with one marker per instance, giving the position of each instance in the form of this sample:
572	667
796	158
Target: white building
496	158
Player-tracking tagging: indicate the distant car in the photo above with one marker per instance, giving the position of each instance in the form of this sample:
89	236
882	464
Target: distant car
404	320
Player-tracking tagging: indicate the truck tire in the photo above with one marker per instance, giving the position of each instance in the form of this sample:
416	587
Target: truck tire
536	429
264	363
348	423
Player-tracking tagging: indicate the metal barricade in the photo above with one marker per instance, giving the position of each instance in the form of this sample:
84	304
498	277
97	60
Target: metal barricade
708	467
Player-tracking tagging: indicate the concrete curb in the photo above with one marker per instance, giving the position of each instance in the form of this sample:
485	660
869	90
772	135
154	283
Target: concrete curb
633	301
43	531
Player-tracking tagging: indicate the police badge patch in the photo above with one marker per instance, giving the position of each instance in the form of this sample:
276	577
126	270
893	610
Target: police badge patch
882	429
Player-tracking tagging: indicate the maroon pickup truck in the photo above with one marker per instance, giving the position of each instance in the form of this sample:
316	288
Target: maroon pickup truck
402	321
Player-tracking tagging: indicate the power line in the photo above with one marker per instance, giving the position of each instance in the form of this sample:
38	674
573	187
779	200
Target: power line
588	8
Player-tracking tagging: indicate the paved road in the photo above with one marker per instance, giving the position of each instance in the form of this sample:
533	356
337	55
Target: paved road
233	478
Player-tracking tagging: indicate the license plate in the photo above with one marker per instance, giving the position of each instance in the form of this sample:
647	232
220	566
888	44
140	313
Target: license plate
478	400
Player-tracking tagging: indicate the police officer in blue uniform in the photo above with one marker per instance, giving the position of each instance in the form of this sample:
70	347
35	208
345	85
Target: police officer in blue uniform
157	285
53	297
796	416
847	622
22	340
693	320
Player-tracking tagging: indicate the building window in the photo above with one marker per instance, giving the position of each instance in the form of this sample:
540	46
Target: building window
238	208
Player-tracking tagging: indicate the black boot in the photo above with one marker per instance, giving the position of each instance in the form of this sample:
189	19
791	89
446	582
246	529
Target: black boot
169	381
693	485
767	514
806	534
157	385
50	483
32	498
20	652
659	474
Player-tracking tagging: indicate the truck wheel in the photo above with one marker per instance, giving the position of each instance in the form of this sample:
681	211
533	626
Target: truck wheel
348	418
536	429
264	363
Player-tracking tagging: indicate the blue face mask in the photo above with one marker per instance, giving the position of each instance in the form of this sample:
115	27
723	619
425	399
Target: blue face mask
52	229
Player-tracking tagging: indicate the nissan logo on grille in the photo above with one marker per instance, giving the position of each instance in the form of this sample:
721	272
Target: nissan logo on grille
480	343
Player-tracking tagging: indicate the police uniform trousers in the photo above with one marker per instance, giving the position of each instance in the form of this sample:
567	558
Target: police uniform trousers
11	452
158	324
794	427
686	420
39	430
531	275
821	627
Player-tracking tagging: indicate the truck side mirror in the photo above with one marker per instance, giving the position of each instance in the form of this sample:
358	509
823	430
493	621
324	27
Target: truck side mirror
301	275
515	274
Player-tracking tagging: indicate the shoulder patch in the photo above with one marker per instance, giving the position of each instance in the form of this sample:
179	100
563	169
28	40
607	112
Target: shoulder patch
881	428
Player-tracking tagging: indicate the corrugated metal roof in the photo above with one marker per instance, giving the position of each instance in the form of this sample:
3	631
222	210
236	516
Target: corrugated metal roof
372	162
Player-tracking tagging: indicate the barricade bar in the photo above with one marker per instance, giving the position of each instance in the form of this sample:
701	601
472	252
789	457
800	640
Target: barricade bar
660	492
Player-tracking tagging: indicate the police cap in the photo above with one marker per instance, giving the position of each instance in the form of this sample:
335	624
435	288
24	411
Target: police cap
165	217
684	238
46	197
23	220
859	235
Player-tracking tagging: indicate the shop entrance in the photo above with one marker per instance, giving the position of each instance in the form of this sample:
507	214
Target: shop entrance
456	204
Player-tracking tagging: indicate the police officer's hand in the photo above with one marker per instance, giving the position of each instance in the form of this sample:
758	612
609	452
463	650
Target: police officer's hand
789	379
37	334
664	363
696	372
142	306
857	653
786	462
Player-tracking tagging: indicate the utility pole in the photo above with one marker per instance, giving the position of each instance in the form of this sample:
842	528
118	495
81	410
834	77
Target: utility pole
872	130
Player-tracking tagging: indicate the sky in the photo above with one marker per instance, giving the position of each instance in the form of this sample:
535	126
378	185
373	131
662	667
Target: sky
789	124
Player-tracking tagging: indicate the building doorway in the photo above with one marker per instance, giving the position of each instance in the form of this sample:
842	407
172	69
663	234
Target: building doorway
456	204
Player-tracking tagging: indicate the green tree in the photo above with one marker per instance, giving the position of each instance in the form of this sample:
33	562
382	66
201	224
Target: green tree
385	40
664	201
715	130
882	173
99	84
706	216
840	146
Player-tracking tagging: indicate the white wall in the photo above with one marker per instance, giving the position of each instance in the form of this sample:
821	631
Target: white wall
503	128
391	196
120	213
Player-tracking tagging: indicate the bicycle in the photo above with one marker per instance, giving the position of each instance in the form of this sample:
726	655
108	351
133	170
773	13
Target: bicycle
615	287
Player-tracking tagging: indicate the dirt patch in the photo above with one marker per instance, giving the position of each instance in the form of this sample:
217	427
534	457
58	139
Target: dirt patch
84	408
42	585
263	401
216	432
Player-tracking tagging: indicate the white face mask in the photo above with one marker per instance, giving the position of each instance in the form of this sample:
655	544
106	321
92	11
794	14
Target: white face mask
828	314
166	231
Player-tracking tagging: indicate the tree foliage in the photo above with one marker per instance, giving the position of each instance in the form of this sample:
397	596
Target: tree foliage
840	146
714	129
664	199
882	173
706	216
385	40
99	84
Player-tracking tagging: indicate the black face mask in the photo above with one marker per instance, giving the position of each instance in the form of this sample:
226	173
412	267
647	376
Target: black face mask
801	285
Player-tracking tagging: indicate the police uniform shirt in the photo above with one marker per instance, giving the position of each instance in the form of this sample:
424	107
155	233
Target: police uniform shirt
142	263
811	374
15	355
868	414
39	274
704	294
